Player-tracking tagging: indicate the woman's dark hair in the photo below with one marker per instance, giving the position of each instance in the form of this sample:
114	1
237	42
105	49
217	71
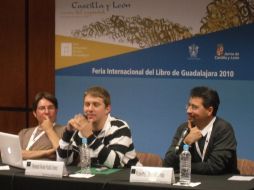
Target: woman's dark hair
45	95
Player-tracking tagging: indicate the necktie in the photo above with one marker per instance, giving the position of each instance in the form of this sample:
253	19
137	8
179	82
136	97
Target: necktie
201	143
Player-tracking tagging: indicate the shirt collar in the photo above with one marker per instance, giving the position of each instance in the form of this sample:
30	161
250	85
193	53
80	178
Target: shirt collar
205	130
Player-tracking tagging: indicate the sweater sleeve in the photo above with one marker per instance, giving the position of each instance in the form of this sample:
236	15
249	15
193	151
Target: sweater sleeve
113	149
67	151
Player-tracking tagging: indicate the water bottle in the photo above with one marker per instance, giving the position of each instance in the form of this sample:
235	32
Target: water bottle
85	159
185	166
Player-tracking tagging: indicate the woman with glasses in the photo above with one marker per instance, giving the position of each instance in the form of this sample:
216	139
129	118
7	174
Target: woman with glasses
41	141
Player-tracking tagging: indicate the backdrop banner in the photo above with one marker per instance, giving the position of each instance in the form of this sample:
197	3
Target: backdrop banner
149	55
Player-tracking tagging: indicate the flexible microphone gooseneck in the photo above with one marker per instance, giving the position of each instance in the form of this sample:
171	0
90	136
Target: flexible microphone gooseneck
183	135
76	131
73	135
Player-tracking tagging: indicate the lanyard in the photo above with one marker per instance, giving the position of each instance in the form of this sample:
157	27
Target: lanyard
202	156
33	139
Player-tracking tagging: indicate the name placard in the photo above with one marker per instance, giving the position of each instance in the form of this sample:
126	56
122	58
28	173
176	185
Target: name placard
152	175
45	168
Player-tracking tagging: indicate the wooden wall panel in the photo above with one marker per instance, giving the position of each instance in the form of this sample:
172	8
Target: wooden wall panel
41	60
32	120
12	122
27	59
13	54
41	72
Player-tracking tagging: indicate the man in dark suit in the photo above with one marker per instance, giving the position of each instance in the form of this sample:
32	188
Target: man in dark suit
211	139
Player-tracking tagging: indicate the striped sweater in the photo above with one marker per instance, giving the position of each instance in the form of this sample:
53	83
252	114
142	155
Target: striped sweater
111	147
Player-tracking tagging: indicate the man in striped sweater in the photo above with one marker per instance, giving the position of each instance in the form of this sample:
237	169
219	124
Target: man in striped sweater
109	138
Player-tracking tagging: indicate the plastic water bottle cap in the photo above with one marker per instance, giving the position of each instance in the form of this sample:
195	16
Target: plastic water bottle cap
186	147
84	140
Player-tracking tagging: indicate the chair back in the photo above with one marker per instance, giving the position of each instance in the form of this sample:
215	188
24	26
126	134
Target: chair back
246	167
149	159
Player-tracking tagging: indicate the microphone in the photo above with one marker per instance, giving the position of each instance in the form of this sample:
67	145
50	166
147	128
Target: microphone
183	135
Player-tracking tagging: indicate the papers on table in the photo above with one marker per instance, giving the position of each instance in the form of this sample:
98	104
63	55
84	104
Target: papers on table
6	167
79	175
192	184
241	178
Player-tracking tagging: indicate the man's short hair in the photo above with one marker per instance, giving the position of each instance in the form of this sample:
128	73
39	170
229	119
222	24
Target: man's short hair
210	97
98	91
